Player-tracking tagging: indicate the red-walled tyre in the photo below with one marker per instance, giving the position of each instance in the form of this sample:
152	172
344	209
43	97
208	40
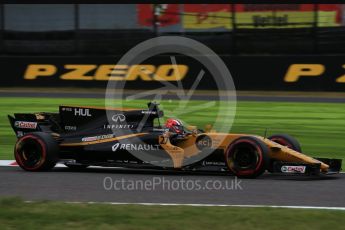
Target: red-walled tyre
247	157
286	140
36	152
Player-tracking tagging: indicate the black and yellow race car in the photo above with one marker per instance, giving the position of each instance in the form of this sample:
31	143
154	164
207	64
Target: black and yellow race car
89	136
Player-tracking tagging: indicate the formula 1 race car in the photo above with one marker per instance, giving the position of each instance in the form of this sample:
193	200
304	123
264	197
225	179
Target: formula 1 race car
89	136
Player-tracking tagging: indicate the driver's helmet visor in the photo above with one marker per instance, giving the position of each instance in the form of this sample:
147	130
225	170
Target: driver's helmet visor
178	128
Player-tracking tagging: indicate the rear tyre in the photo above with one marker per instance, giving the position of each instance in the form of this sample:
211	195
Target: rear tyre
247	157
36	152
286	140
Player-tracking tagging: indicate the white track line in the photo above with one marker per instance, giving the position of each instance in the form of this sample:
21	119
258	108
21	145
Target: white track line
209	205
6	162
12	163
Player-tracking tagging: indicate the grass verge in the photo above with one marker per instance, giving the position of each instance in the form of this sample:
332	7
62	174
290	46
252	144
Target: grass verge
16	214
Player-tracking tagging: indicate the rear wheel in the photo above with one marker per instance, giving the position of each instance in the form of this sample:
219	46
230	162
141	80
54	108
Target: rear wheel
36	152
247	157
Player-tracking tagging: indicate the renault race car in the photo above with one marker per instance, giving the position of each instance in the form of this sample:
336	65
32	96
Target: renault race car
89	136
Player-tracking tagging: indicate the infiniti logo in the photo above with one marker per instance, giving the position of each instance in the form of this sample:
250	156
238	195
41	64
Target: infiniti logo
118	117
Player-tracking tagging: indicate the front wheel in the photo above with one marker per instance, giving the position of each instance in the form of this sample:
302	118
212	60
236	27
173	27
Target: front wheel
36	152
286	140
247	157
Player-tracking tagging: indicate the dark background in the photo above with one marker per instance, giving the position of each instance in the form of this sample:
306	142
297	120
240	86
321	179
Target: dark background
258	42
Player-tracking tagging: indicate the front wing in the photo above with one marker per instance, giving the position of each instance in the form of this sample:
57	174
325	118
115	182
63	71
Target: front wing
292	168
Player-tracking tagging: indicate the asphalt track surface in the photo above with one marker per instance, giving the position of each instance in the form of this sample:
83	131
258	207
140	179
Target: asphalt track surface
114	185
98	184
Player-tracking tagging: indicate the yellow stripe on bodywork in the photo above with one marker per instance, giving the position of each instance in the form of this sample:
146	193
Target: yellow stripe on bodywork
104	140
101	108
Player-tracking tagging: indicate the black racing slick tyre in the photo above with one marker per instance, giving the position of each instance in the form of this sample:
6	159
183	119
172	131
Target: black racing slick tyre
286	140
247	157
36	152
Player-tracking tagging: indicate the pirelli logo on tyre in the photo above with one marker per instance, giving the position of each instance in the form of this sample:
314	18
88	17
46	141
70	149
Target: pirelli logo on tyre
105	72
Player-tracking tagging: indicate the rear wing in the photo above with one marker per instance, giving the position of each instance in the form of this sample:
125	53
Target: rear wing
72	119
23	123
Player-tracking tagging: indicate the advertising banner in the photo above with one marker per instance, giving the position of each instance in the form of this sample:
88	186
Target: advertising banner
248	16
313	73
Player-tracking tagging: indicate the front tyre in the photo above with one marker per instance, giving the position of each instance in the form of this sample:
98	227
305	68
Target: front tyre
247	157
286	140
36	152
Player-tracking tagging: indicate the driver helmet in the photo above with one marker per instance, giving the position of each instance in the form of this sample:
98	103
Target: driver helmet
174	125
